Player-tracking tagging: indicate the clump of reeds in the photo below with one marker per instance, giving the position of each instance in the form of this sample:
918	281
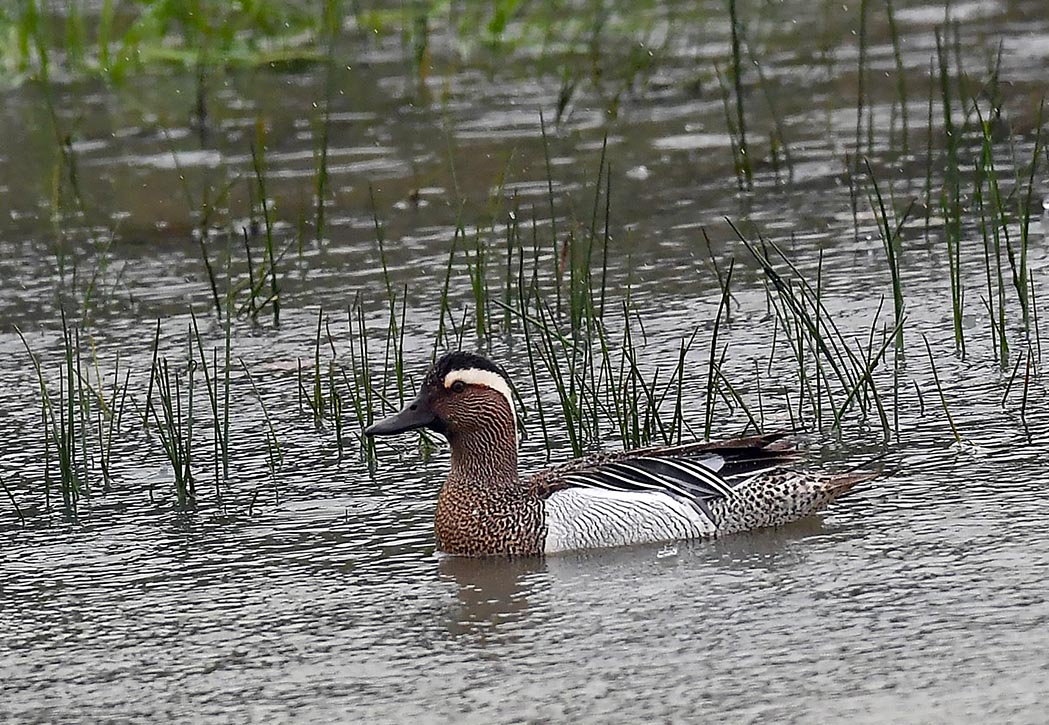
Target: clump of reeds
62	416
112	40
217	384
173	424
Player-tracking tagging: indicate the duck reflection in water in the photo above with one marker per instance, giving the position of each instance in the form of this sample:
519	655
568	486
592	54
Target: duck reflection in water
491	592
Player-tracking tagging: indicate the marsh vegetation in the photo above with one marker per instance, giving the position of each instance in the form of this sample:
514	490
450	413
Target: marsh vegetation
545	264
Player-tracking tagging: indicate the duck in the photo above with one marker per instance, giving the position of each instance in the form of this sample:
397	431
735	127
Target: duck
695	490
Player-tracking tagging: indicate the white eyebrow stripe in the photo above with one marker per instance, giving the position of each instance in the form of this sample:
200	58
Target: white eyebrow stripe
476	376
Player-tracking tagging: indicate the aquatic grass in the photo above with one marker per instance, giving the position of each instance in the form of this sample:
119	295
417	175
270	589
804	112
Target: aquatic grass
820	373
730	395
1012	377
274	451
109	417
796	297
866	363
360	365
205	209
90	290
65	178
1026	391
861	86
708	418
174	426
336	404
939	390
35	36
583	300
219	398
597	379
252	305
553	213
605	242
737	83
890	230
418	33
380	239
778	136
570	365
100	43
316	401
622	392
760	396
533	370
83	406
332	24
59	423
513	241
1034	315
394	355
396	338
577	254
300	386
813	335
901	82
631	396
14	501
551	358
354	394
732	127
996	220
1026	203
476	267
446	311
795	334
323	397
985	174
950	197
258	162
929	156
259	276
569	86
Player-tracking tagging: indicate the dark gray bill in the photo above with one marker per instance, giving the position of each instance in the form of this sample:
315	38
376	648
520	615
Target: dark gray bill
416	414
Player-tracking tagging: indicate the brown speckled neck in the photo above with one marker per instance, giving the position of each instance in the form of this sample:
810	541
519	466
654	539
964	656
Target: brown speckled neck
484	508
487	456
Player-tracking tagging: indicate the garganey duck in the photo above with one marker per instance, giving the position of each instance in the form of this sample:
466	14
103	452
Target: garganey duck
646	495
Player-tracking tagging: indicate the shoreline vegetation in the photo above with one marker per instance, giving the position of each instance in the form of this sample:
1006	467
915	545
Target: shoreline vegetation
525	276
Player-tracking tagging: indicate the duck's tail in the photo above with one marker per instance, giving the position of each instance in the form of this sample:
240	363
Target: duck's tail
781	497
838	485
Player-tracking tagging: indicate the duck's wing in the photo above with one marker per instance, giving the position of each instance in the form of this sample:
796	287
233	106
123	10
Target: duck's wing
695	473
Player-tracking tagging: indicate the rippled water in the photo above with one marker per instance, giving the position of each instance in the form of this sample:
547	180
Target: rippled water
316	596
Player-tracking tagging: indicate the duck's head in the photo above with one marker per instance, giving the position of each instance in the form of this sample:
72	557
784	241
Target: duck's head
463	393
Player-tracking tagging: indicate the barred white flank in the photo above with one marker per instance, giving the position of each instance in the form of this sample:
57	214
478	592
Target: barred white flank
590	518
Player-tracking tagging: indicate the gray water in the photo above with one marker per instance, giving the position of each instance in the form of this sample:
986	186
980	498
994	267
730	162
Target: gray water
315	594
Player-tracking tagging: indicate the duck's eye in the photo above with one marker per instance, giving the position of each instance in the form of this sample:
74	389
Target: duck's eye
458	386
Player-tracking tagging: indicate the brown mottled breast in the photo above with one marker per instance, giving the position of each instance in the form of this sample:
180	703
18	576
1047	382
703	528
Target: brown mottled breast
474	520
